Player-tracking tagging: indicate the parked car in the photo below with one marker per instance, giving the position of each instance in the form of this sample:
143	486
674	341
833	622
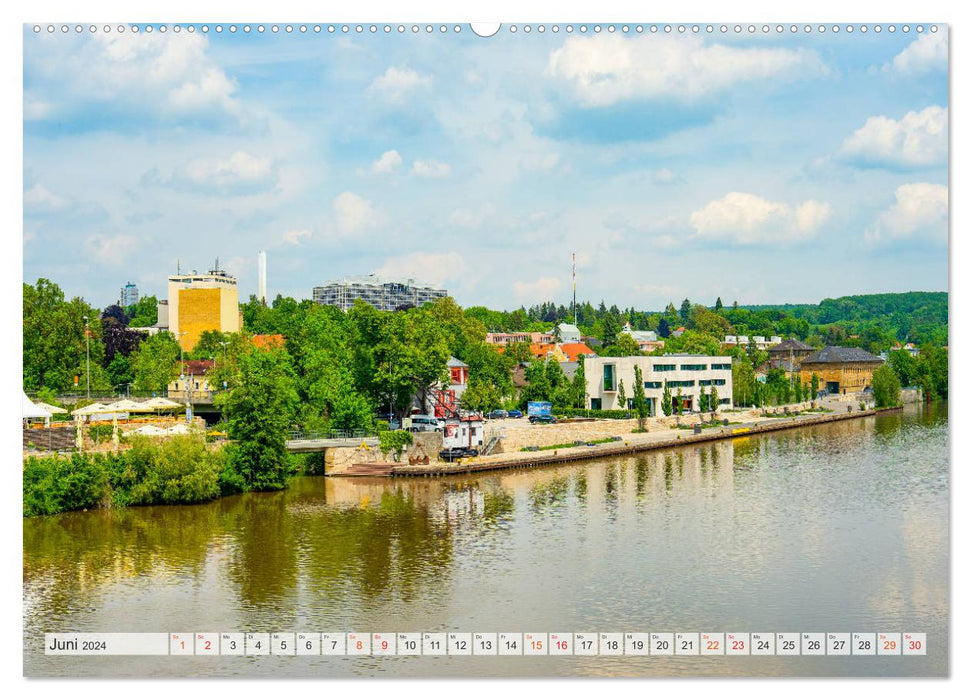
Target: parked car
514	414
498	413
393	423
424	424
542	419
453	453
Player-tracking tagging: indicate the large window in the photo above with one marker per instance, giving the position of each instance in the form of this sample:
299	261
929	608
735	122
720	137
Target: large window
693	368
682	383
609	379
652	385
722	366
664	368
709	382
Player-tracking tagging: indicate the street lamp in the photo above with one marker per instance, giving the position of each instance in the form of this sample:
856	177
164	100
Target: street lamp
87	354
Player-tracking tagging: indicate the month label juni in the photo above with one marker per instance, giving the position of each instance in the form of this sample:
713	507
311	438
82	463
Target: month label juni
495	644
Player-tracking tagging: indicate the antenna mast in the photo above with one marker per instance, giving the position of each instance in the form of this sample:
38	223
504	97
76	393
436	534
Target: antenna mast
574	289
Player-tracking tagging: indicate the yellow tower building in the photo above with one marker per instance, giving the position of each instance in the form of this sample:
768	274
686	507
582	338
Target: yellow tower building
202	302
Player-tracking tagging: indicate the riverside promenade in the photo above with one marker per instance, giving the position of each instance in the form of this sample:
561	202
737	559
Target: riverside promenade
628	443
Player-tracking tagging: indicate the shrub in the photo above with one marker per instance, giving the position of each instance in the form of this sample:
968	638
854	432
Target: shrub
392	441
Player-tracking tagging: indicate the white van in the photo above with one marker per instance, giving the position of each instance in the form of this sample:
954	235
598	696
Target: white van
419	423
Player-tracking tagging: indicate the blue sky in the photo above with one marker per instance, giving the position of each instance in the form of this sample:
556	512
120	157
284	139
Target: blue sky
766	168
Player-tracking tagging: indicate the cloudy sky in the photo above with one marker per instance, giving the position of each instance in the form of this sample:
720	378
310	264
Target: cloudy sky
763	168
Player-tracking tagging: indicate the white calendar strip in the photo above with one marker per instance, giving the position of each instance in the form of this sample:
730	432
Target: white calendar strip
488	644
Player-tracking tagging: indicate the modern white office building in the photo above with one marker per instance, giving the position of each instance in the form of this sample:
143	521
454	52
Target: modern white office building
386	295
687	374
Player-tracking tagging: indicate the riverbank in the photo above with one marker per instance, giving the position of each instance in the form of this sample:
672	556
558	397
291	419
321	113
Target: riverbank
634	442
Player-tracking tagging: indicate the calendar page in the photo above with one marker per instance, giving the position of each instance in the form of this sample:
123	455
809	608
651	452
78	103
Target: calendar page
436	349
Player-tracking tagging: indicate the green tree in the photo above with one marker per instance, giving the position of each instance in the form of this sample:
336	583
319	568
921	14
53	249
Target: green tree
518	352
814	385
679	404
578	386
626	346
209	345
685	312
119	371
904	365
55	347
666	400
610	329
702	400
156	362
480	397
718	304
713	400
259	409
886	387
351	412
622	396
144	313
640	402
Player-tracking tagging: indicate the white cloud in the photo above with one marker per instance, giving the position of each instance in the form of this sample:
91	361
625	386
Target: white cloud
431	169
39	198
397	81
746	219
111	250
239	174
918	139
388	163
35	110
927	53
607	69
161	74
471	218
296	236
353	214
541	289
428	268
665	177
661	291
919	214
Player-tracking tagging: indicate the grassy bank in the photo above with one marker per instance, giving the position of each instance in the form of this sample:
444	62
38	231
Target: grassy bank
180	469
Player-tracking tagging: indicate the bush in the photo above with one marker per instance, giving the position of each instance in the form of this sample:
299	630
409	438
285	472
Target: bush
591	413
392	441
100	433
179	470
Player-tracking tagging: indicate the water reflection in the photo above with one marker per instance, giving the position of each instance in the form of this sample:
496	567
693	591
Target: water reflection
837	525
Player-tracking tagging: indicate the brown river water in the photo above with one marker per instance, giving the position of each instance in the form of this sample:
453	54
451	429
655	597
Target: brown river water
835	528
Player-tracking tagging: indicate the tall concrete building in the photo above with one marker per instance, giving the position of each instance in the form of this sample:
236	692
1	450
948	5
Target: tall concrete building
261	288
128	296
203	302
386	295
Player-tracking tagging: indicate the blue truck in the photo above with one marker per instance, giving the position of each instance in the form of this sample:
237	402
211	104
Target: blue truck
540	412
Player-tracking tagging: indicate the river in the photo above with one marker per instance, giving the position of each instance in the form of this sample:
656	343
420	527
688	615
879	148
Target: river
834	528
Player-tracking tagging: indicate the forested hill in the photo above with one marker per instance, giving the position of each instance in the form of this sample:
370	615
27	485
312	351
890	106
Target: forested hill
897	309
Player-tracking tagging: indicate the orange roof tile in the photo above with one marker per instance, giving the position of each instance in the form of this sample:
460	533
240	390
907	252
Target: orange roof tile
266	341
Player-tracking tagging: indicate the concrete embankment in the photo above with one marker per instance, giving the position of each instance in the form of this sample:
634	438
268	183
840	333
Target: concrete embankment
662	438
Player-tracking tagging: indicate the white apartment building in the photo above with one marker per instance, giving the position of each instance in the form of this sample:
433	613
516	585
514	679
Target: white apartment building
689	374
386	295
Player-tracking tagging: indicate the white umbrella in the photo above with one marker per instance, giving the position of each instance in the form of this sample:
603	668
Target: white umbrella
127	406
178	429
148	430
32	411
91	410
51	409
159	402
